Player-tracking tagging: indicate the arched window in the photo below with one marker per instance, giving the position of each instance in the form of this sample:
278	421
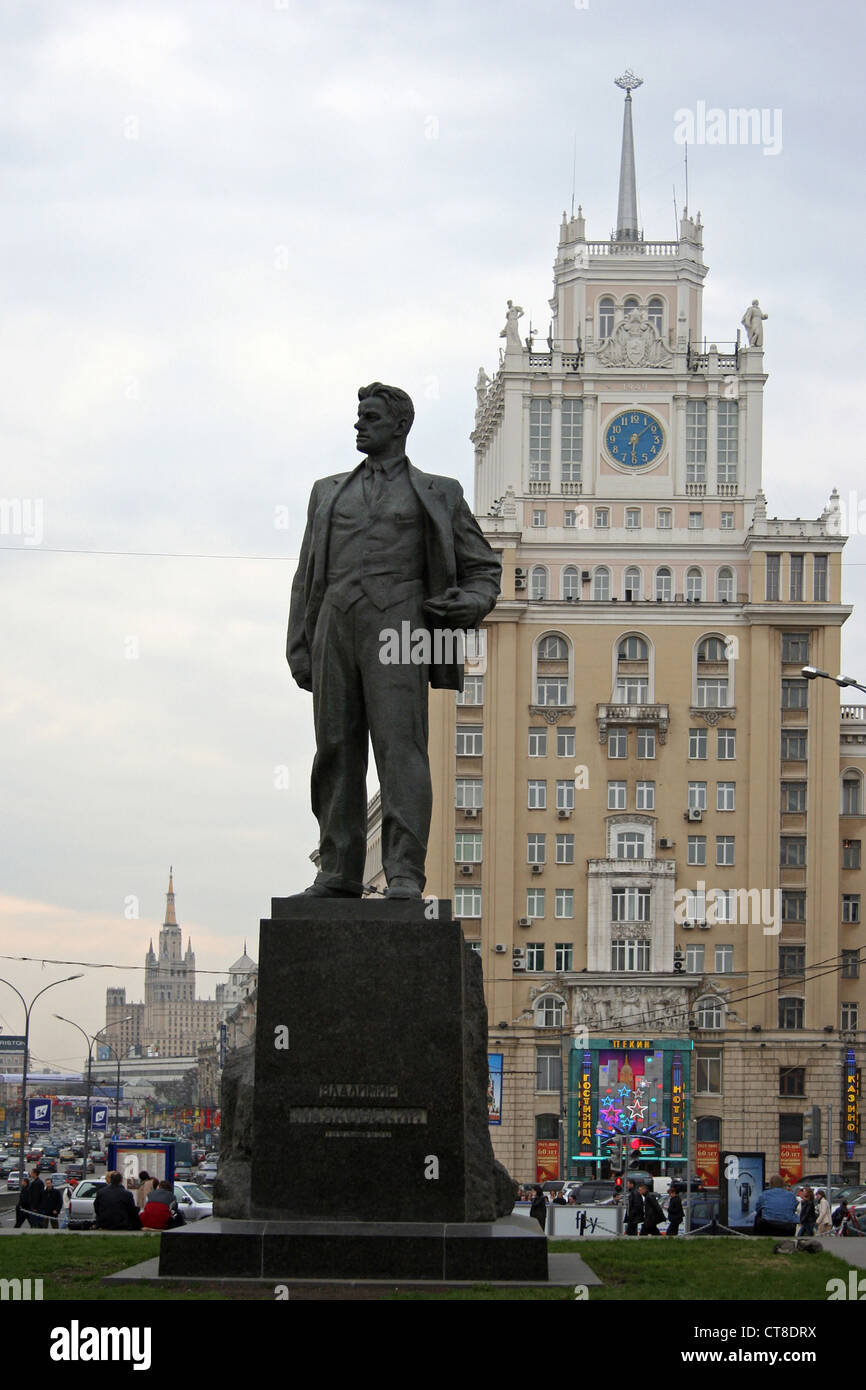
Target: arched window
632	677
656	314
694	584
725	585
712	649
549	1011
708	1012
552	649
570	582
633	649
713	673
664	585
538	583
605	317
630	303
601	584
852	792
791	1011
632	583
552	674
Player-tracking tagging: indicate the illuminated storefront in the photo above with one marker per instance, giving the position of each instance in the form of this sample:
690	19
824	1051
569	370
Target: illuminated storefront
632	1091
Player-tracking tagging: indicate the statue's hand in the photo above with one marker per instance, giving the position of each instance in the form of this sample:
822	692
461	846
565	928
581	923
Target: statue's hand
304	678
458	609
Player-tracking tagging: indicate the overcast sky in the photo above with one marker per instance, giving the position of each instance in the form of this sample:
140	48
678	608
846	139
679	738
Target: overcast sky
220	219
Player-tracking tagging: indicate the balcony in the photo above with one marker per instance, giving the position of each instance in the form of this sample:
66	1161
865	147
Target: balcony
620	716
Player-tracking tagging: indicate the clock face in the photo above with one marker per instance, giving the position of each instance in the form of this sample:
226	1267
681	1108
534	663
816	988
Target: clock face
634	438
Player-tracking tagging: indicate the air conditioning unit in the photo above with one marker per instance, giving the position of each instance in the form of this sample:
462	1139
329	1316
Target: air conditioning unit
536	868
524	921
520	578
471	812
466	869
585	576
666	844
518	965
686	926
520	584
500	948
518	953
563	814
694	814
704	926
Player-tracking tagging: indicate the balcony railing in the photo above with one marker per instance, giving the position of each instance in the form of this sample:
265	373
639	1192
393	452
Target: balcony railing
615	716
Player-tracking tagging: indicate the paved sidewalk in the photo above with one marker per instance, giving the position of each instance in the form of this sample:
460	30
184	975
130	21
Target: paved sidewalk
849	1248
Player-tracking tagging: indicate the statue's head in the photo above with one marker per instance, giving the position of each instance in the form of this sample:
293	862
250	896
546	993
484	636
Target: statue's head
385	416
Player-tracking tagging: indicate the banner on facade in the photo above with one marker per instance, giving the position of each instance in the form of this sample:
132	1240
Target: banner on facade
707	1162
546	1159
791	1163
10	1045
494	1088
39	1114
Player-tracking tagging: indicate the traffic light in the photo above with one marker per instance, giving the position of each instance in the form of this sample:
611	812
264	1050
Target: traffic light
616	1156
813	1131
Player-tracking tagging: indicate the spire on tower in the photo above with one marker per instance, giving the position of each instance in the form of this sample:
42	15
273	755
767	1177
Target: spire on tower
626	215
170	919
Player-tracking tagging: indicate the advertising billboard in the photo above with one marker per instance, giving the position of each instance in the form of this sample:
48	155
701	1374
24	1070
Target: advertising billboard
494	1088
742	1182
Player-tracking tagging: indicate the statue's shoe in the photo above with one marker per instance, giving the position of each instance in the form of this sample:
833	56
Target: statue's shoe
321	890
403	888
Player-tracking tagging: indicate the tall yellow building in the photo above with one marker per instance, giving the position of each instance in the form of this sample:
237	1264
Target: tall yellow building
649	820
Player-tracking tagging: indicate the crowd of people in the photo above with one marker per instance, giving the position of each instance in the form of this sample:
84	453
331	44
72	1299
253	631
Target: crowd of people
142	1203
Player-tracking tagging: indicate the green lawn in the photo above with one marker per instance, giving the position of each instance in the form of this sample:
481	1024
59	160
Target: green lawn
718	1270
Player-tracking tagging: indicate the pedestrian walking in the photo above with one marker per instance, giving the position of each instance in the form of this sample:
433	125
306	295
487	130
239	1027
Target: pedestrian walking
675	1212
808	1213
52	1205
634	1209
22	1206
539	1207
653	1214
824	1224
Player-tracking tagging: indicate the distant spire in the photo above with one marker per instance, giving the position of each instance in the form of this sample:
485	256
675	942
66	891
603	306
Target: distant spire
626	215
170	919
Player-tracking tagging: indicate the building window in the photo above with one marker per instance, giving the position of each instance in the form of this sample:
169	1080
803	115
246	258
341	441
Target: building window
646	743
794	745
790	1128
469	793
792	1081
562	956
852	795
664	519
793	796
792	960
616	795
727	442
655	313
565	743
851	907
792	851
697	796
572	440
795	647
617	743
536	851
467	901
539	517
548	1069
467	846
470	740
564	903
632	519
725	586
565	849
553	648
538	583
773	572
664	585
539	441
601	585
712	692
535	955
819	578
724	850
794	693
696	442
626	954
708	1070
570	579
708	1012
850	1017
694	584
472	692
793	906
602	517
631	690
790	1012
605	317
565	794
725	796
549	1012
850	854
630	844
696	521
697	849
796	578
537	798
551	690
538	743
724	960
697	743
630	904
535	907
694	960
726	744
645	799
570	521
632	583
727	521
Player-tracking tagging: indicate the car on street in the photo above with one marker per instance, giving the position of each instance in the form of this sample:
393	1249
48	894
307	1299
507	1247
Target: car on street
195	1204
13	1181
593	1191
46	1164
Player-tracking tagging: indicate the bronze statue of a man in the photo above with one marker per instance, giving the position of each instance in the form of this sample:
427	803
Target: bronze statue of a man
385	546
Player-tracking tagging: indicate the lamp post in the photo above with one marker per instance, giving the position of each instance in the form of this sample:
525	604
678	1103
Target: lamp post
27	1011
813	672
90	1042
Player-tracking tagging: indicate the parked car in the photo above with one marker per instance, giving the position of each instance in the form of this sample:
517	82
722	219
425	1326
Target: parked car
13	1181
594	1190
195	1204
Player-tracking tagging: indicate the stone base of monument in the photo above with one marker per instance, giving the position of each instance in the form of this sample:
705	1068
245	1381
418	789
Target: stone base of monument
355	1142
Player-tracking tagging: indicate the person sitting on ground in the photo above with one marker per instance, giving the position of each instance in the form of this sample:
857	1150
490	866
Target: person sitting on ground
776	1209
114	1208
161	1212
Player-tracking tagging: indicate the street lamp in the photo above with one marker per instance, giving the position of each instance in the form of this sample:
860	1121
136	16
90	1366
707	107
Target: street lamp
91	1041
27	1010
813	672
